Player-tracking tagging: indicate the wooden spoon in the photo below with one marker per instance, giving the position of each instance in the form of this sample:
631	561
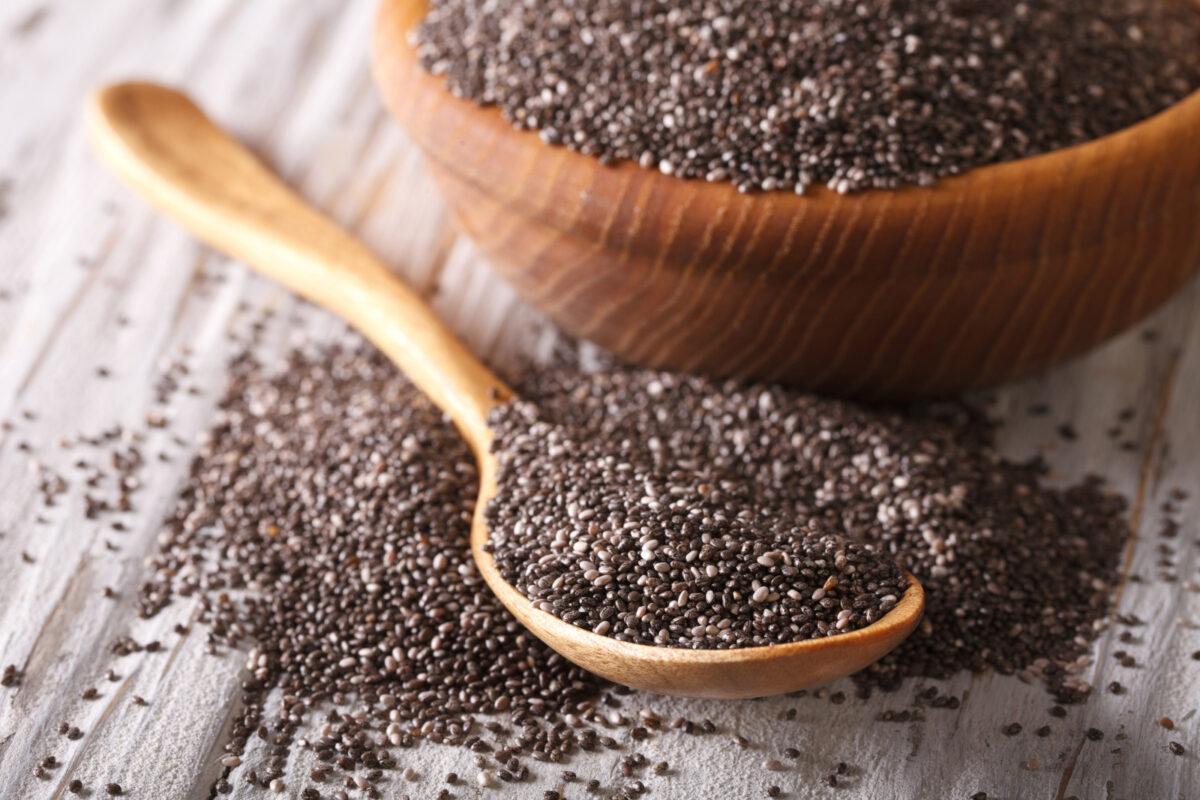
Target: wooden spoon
160	143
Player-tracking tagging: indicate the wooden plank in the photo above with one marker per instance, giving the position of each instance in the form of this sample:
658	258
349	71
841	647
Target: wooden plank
92	280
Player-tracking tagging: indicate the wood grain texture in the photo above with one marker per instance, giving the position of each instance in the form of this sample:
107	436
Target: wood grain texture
996	274
91	277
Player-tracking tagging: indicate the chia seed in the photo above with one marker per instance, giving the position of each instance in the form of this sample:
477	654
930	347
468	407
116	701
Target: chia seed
851	94
11	677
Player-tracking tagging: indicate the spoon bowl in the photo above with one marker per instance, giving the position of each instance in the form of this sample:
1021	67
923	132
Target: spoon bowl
163	146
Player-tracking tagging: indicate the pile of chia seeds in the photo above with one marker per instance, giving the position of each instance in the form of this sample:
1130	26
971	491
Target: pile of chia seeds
652	478
854	94
323	535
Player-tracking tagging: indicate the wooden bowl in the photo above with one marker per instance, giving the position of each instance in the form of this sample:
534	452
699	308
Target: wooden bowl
988	276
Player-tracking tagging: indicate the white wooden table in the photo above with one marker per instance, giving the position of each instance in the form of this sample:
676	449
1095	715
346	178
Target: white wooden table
90	278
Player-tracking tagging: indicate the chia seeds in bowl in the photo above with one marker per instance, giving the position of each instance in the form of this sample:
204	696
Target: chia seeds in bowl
854	94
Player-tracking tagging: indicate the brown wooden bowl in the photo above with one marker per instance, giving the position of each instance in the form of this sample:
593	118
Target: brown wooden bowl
988	276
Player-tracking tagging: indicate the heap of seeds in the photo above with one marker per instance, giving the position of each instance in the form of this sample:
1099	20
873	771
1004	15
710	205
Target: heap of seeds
326	525
851	93
629	513
623	473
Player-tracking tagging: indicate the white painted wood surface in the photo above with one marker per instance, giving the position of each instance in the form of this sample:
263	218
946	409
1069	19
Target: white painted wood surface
90	278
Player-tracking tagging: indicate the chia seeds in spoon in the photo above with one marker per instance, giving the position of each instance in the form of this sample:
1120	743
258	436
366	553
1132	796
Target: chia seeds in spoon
851	93
624	507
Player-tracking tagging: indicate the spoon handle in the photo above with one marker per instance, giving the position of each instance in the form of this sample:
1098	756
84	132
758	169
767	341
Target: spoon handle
162	145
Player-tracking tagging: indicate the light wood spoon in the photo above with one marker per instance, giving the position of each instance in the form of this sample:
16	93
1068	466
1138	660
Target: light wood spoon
162	145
